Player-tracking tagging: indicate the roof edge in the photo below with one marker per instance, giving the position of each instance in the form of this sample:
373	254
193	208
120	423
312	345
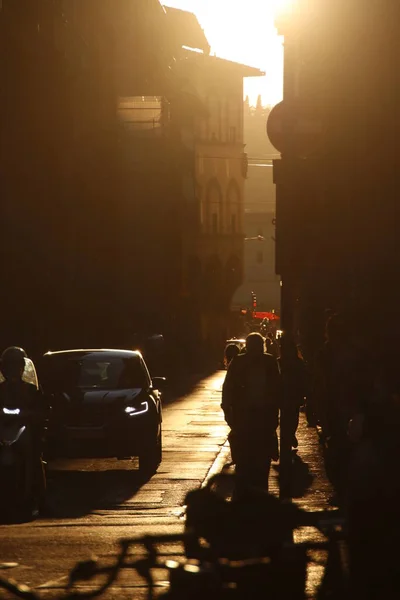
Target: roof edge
245	70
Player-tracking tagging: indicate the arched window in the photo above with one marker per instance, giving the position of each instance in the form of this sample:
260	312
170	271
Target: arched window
214	207
206	121
226	122
234	208
233	122
214	108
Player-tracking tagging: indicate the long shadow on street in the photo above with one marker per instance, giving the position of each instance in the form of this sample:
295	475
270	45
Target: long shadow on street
74	493
81	485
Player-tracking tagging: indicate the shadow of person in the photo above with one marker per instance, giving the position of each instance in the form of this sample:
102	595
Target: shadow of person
296	480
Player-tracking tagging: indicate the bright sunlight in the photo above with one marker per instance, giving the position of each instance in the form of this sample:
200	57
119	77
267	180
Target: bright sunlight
244	31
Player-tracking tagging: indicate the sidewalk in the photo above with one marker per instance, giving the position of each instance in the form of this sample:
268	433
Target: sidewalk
310	490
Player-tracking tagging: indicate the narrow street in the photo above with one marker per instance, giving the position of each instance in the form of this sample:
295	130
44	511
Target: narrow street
96	502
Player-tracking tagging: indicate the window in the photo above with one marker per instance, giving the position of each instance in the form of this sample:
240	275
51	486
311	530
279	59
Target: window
94	372
214	113
142	114
232	135
233	208
214	207
226	122
260	257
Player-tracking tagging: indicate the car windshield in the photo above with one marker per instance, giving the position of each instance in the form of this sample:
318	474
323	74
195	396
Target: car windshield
94	371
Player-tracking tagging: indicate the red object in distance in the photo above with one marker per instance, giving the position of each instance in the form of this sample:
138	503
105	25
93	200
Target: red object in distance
265	315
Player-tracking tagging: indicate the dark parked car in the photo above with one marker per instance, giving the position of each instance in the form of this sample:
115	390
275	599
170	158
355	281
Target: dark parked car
103	401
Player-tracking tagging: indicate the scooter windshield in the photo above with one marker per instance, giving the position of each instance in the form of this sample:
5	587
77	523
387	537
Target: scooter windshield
29	374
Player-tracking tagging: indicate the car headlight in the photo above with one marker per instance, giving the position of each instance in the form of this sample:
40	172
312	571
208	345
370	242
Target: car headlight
132	411
11	411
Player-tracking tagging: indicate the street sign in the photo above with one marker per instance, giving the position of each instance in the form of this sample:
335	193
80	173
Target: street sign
295	129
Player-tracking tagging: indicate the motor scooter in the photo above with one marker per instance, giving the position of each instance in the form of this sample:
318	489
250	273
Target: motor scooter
21	469
20	491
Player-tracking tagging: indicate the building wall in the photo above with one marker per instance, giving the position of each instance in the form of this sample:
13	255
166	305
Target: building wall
337	201
214	255
112	236
220	160
35	152
177	198
65	171
259	264
259	255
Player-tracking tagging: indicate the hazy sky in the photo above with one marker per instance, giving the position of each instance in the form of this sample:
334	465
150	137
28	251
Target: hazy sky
243	31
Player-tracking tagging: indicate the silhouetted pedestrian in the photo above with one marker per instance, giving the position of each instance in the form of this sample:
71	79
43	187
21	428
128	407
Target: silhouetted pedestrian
231	351
250	400
374	489
294	388
341	389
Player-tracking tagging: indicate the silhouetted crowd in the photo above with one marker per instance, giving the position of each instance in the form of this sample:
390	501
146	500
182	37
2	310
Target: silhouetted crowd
350	391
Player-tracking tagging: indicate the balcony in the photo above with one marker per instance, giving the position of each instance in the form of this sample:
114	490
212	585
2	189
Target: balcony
144	134
144	117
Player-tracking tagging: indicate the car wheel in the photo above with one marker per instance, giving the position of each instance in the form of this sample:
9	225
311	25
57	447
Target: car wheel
151	456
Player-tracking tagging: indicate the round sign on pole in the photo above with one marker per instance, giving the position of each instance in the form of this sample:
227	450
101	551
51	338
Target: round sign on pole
275	126
296	129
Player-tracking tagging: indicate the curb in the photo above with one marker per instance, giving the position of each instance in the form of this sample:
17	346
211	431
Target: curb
217	467
219	463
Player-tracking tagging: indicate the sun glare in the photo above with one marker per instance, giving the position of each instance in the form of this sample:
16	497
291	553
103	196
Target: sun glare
281	6
244	31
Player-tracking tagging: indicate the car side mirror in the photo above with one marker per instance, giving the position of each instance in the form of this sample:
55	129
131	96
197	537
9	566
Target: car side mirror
159	383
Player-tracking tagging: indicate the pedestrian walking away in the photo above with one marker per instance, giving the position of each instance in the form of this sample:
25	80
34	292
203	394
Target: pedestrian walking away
231	351
294	388
250	401
341	387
